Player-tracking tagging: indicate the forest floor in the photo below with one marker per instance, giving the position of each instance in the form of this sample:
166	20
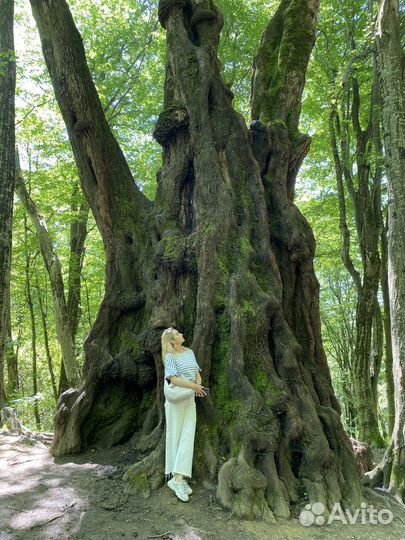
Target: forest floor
83	497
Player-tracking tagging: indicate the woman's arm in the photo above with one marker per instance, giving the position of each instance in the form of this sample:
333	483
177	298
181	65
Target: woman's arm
198	389
198	381
178	381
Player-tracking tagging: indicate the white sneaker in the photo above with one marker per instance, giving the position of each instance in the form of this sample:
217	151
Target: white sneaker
189	491
179	488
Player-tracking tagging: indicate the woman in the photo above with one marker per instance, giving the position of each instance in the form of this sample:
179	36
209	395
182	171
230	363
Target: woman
181	369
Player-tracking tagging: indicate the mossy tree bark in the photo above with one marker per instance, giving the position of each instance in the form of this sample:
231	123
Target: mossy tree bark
7	171
391	63
224	254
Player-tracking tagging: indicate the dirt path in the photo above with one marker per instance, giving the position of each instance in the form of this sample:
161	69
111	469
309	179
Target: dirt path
84	498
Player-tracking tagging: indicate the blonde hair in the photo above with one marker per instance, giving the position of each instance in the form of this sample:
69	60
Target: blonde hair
167	342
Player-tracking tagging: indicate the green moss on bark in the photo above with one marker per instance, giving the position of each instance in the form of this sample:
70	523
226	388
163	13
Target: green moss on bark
140	484
397	480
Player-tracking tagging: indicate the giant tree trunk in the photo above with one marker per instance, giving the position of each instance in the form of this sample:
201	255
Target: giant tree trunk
7	170
390	57
223	254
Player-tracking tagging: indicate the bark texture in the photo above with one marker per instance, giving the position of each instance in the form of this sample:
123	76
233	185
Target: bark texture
391	471
223	254
7	170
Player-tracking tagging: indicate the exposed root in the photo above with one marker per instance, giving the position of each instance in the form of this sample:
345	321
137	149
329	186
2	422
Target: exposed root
241	489
148	474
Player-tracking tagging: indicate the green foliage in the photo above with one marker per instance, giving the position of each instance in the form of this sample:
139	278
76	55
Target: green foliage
342	40
24	406
5	58
244	23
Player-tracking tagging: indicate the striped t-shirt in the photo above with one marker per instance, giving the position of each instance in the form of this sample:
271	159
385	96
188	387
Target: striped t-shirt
182	364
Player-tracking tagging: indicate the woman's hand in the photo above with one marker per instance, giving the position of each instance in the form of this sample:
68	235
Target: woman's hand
199	390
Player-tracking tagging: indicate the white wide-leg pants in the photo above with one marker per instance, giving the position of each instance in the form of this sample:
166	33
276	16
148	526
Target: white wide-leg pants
180	432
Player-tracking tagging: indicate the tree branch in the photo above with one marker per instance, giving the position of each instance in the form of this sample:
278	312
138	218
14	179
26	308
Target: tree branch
281	62
342	204
104	172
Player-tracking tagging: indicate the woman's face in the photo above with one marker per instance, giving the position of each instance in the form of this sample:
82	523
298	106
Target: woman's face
177	339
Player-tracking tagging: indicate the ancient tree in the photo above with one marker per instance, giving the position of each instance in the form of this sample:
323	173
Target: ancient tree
7	171
223	253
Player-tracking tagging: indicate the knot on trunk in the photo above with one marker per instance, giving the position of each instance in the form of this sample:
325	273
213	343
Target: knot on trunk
165	6
175	253
169	123
241	489
81	126
261	144
202	14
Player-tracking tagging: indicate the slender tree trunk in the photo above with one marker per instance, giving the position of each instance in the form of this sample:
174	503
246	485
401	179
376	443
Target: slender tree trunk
11	357
63	382
33	328
376	350
390	57
366	200
78	234
342	341
88	312
389	376
53	267
46	339
7	170
13	369
224	254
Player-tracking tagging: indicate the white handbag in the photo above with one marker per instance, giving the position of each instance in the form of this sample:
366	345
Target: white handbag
174	393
